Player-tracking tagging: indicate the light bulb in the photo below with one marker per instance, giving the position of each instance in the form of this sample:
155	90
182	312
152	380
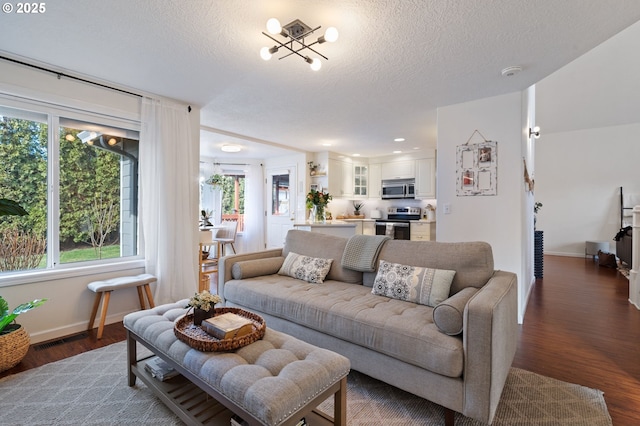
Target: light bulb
70	137
315	64
331	34
265	54
273	26
112	141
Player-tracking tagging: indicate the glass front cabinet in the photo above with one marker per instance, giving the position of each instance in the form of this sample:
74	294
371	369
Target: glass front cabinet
360	180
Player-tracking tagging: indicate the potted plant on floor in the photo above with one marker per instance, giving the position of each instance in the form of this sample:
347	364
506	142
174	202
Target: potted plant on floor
14	339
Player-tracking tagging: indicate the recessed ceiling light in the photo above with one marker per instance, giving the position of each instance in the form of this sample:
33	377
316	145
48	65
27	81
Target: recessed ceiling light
231	148
356	155
398	140
397	152
326	144
416	147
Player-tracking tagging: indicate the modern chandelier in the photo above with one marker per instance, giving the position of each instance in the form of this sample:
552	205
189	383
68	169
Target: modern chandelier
294	34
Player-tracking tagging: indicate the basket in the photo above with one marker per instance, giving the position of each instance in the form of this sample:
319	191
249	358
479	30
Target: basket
199	339
13	347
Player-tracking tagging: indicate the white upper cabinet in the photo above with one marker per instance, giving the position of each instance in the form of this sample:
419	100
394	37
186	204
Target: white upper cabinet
375	181
340	178
399	170
360	181
426	178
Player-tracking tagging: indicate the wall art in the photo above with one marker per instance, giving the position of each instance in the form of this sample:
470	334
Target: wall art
477	168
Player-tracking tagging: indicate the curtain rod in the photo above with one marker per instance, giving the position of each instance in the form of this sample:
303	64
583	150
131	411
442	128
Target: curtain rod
73	77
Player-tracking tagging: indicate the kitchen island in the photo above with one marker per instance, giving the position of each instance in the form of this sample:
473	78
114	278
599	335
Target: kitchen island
331	227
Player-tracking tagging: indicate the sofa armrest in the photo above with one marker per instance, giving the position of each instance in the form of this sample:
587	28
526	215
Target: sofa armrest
227	262
490	339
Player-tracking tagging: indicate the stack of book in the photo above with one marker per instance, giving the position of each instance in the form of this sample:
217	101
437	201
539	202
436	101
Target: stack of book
227	326
159	369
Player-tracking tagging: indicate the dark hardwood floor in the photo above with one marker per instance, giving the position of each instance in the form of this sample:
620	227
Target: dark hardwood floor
579	327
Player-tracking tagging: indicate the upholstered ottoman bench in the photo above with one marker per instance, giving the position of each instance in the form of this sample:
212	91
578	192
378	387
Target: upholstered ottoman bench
274	381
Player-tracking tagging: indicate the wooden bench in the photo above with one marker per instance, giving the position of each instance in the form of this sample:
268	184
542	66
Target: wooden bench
107	286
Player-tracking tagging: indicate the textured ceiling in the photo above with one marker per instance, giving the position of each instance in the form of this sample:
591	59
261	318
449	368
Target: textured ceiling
394	63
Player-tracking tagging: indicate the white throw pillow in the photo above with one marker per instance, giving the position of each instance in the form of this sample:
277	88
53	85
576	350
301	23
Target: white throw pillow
425	286
310	269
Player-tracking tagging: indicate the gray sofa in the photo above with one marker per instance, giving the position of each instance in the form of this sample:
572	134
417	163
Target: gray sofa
456	354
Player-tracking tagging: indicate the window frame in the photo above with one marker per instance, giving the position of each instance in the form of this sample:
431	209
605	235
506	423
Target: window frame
54	269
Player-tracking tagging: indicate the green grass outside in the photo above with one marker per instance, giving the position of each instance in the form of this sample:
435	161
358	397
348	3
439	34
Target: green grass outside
85	254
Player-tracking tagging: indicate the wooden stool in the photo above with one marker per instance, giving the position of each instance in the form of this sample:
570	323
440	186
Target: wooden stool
107	286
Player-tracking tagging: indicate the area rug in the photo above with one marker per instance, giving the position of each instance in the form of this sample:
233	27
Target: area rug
91	389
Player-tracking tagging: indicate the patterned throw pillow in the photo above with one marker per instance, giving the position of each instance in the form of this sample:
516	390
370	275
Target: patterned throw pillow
412	283
310	269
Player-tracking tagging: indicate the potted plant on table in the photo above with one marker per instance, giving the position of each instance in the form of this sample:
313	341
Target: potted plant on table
357	207
203	305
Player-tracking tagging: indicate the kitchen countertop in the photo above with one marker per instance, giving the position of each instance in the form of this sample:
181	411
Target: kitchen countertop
329	223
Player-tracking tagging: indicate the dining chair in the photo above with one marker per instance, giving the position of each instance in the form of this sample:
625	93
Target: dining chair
227	235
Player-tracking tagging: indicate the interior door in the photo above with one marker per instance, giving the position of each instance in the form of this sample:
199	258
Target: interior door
281	204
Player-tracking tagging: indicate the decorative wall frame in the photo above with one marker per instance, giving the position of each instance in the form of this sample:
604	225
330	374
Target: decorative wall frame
477	168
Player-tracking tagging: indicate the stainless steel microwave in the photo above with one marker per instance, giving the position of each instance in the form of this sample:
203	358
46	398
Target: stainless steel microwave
398	188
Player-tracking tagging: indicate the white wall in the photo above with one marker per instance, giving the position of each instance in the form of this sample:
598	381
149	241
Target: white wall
589	113
69	306
498	219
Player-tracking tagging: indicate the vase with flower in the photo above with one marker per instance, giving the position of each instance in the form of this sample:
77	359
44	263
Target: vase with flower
317	202
203	305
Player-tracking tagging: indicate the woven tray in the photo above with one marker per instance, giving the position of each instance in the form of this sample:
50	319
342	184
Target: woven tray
199	339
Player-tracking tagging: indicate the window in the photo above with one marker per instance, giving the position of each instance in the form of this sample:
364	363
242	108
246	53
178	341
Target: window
89	212
222	195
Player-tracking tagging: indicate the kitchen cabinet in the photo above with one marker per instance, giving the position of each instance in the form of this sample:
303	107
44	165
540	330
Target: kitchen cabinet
369	227
422	231
375	181
340	178
363	226
399	170
360	181
426	178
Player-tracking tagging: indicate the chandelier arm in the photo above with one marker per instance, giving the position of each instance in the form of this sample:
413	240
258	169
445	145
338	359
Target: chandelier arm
304	46
284	45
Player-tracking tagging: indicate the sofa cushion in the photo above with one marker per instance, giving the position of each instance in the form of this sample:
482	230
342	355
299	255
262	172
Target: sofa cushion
325	246
307	268
449	314
472	261
411	283
400	329
256	267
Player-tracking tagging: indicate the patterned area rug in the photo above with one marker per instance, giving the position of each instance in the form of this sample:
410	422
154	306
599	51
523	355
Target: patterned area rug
91	389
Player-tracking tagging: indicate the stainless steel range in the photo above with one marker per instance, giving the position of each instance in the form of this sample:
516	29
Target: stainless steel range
398	222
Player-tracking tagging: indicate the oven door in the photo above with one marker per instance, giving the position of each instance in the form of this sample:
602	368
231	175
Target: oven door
395	230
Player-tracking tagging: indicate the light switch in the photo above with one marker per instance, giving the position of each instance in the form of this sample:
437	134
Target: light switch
447	208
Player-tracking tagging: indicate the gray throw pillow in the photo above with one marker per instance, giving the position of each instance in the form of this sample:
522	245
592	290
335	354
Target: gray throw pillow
448	315
256	267
306	268
425	286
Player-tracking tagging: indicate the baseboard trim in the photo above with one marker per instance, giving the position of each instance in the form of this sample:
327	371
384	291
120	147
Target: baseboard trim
67	330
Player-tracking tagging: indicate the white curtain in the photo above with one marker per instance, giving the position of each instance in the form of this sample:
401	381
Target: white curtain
253	235
169	198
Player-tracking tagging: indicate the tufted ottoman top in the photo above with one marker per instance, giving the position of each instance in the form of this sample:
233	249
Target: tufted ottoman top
271	378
